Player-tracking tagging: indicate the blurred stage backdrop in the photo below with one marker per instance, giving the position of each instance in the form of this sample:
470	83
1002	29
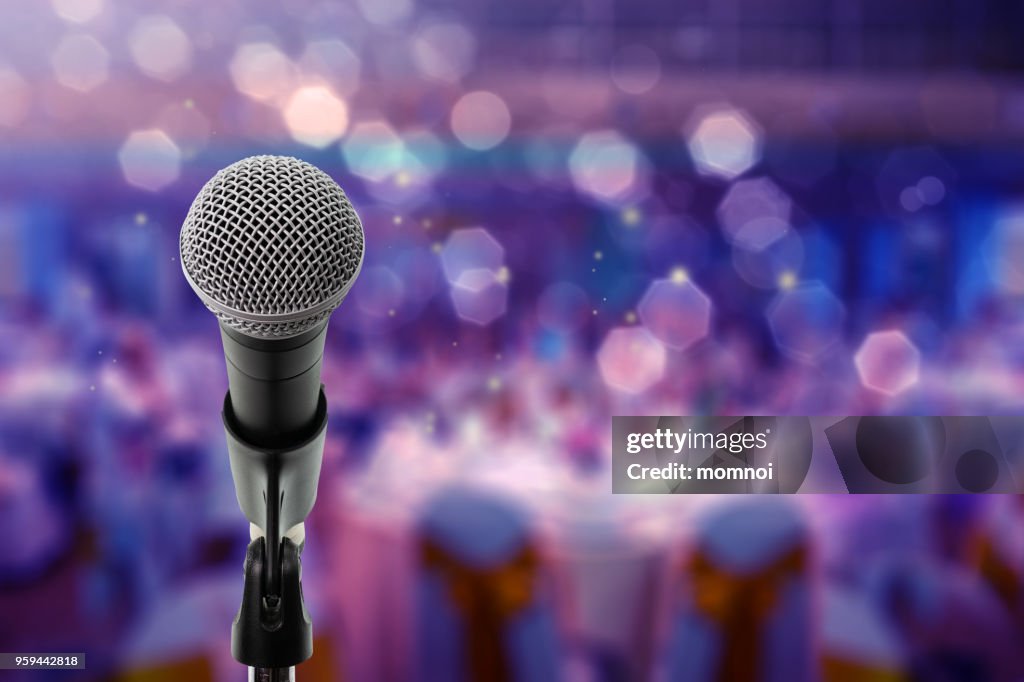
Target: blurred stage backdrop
572	210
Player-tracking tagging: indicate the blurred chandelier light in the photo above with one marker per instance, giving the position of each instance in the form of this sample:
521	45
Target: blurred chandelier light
888	362
261	71
480	120
471	248
150	160
723	142
80	62
480	296
631	360
160	48
315	116
77	11
443	51
605	165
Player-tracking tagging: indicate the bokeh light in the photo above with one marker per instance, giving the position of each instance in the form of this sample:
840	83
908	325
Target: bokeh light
443	50
316	116
14	97
425	156
471	248
261	71
385	12
80	62
379	291
676	311
888	362
631	360
334	63
160	48
1003	251
480	296
480	120
754	213
806	320
606	166
78	11
775	265
912	178
186	125
723	142
150	160
373	150
635	69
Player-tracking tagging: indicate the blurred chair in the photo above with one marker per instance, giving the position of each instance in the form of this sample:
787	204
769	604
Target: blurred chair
858	643
484	611
194	669
325	664
953	625
185	635
746	615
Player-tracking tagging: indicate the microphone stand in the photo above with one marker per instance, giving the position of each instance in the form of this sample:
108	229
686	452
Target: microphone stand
271	674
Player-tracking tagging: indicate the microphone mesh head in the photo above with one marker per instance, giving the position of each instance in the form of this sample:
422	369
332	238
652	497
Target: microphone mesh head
271	245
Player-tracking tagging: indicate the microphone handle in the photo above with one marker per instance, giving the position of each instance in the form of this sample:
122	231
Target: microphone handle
274	385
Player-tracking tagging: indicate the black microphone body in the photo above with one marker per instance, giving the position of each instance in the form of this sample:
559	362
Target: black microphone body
274	385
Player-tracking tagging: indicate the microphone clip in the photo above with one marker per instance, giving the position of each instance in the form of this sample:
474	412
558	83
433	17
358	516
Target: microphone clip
276	489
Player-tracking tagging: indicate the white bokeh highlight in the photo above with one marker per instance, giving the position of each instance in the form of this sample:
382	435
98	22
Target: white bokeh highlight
606	165
78	11
150	160
479	296
888	362
160	48
631	360
723	142
316	116
471	248
262	72
480	120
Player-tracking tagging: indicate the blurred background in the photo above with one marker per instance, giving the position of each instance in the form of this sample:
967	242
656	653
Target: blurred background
572	210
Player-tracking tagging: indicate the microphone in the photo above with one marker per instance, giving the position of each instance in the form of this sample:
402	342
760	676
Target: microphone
271	245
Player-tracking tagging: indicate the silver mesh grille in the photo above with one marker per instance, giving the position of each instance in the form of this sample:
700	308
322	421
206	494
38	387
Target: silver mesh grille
271	245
